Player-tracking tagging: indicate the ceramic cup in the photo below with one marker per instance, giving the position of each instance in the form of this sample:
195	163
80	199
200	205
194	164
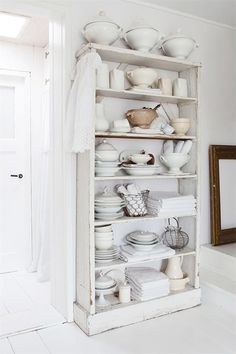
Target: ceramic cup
117	79
103	76
165	85
180	88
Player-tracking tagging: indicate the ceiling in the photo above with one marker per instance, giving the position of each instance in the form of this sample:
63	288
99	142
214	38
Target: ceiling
34	33
222	11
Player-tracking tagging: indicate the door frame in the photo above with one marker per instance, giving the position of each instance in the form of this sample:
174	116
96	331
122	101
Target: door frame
63	176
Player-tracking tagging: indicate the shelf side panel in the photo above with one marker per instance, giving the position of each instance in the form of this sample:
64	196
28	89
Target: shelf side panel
85	246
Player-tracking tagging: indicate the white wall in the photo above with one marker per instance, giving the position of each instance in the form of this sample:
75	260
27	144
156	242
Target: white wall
223	11
30	59
217	54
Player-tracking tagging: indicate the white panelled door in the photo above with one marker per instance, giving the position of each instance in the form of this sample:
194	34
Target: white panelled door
15	181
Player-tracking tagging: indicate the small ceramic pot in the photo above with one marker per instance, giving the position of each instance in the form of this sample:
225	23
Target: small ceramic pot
142	77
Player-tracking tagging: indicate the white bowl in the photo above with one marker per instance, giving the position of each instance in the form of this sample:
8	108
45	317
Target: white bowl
110	209
142	77
101	229
142	38
179	284
141	171
178	46
103	244
140	159
106	171
174	161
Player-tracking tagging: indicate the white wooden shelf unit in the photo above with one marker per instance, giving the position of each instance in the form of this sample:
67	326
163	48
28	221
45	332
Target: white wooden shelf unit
86	315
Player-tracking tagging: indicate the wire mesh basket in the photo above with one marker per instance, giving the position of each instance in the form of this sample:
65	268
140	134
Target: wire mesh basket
174	237
136	204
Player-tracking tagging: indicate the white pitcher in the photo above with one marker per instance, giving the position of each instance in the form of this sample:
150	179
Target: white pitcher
173	269
103	76
101	123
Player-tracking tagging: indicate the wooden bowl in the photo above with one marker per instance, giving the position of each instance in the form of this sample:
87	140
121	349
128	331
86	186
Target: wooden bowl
141	118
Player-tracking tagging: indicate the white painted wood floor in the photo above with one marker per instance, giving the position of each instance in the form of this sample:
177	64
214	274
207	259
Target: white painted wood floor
25	304
201	330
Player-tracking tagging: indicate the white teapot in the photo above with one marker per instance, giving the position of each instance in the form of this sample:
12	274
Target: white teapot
173	269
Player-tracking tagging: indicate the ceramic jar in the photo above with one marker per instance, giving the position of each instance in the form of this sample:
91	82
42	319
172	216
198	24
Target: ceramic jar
165	85
124	293
117	80
180	87
103	76
101	123
102	30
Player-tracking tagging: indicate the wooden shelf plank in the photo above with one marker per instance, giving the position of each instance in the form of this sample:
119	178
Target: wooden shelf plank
134	57
128	219
121	264
131	95
154	177
143	136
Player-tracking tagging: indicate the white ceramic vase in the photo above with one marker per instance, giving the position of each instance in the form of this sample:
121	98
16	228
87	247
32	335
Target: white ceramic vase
101	123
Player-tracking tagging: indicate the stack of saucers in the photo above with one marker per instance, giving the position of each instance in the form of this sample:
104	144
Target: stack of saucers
108	206
107	256
142	241
106	169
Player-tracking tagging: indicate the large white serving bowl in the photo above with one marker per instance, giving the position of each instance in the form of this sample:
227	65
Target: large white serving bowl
178	46
174	161
142	77
142	38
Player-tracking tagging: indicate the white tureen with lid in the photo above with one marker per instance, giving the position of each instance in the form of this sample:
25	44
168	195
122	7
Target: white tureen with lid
106	152
102	30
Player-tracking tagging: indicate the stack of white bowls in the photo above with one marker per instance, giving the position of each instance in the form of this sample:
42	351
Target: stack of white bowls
108	205
104	237
106	160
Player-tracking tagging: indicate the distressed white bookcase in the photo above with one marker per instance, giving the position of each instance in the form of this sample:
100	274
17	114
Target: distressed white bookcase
86	315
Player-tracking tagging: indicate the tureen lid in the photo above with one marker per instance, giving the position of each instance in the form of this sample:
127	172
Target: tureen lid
104	281
105	146
177	34
108	196
101	17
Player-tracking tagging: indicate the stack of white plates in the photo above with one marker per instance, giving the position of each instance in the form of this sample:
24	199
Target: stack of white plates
108	206
106	169
107	256
141	170
142	241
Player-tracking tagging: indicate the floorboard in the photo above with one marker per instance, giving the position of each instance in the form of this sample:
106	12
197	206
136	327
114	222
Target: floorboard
28	343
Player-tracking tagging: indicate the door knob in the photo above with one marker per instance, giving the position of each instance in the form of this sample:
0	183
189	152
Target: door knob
18	176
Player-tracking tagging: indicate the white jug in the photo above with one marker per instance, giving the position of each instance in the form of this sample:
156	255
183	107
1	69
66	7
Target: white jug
103	76
180	88
117	79
173	269
101	123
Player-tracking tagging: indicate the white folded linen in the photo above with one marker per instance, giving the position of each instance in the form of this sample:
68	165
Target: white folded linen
152	292
156	294
145	277
138	130
130	254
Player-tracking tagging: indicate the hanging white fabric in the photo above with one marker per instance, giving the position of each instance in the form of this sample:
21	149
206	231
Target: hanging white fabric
81	104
